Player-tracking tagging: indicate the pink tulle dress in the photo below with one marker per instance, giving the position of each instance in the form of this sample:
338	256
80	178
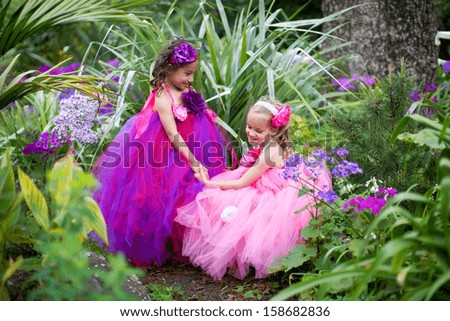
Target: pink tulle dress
144	179
231	230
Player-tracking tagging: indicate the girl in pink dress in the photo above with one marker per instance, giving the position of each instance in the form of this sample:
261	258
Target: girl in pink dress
247	217
147	171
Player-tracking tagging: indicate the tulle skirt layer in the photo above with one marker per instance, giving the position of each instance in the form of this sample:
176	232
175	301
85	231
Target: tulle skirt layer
143	180
232	230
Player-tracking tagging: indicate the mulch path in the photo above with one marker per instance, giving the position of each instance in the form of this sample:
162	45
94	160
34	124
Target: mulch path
195	285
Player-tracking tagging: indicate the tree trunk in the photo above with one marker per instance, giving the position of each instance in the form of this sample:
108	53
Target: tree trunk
382	32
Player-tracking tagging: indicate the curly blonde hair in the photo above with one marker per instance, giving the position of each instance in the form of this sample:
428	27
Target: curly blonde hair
282	133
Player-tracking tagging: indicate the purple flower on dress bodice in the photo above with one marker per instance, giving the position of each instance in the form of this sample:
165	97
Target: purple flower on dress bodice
193	101
250	157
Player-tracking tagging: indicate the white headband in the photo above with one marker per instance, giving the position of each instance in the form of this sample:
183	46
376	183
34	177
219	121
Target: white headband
267	105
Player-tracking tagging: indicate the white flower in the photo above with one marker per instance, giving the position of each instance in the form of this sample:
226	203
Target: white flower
227	212
347	188
373	184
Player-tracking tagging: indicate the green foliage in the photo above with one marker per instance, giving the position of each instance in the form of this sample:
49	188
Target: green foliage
260	53
25	19
159	292
33	17
249	294
263	54
65	273
366	132
65	214
400	254
10	230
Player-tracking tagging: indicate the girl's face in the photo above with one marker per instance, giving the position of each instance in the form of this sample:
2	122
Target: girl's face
258	129
183	77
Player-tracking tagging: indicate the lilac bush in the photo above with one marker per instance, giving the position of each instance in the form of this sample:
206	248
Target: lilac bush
76	118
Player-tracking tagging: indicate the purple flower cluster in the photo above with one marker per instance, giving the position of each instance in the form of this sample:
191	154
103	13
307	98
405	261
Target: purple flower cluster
290	170
76	118
193	101
329	196
446	67
60	70
343	168
354	82
46	145
315	164
417	95
346	168
371	203
425	94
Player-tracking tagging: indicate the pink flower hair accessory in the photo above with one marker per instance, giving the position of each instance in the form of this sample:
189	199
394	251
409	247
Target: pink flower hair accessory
183	54
280	115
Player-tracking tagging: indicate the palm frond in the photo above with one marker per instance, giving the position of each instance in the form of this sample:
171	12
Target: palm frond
35	16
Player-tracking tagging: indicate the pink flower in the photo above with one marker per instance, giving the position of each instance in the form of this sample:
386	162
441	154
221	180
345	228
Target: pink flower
371	203
389	191
180	112
282	118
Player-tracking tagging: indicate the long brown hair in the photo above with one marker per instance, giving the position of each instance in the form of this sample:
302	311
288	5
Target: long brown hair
162	64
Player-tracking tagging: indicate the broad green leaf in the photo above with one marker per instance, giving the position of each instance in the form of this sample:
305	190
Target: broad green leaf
96	222
309	232
34	199
399	128
303	191
7	185
11	269
333	277
59	181
358	247
441	281
427	137
4	295
298	255
13	212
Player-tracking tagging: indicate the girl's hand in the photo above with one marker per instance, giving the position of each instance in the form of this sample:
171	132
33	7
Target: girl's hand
200	171
202	175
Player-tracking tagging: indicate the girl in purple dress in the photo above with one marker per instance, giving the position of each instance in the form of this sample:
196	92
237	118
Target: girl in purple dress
147	171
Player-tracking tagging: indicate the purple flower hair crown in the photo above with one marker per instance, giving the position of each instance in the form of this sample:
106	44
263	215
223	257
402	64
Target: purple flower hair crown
183	54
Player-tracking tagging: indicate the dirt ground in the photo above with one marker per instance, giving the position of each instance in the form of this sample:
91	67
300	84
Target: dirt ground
175	282
186	282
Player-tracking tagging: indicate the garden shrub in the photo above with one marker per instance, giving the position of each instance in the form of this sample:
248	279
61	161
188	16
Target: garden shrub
366	132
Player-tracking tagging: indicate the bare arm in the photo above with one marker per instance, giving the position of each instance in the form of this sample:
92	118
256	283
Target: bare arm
259	168
164	110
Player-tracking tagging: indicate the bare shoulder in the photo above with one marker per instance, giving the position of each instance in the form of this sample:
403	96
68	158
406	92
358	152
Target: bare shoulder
162	101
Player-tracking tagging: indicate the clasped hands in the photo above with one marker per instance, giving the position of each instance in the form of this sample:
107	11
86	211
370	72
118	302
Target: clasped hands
200	172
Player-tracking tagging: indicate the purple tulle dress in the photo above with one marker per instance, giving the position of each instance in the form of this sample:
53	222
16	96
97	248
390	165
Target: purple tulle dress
143	180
